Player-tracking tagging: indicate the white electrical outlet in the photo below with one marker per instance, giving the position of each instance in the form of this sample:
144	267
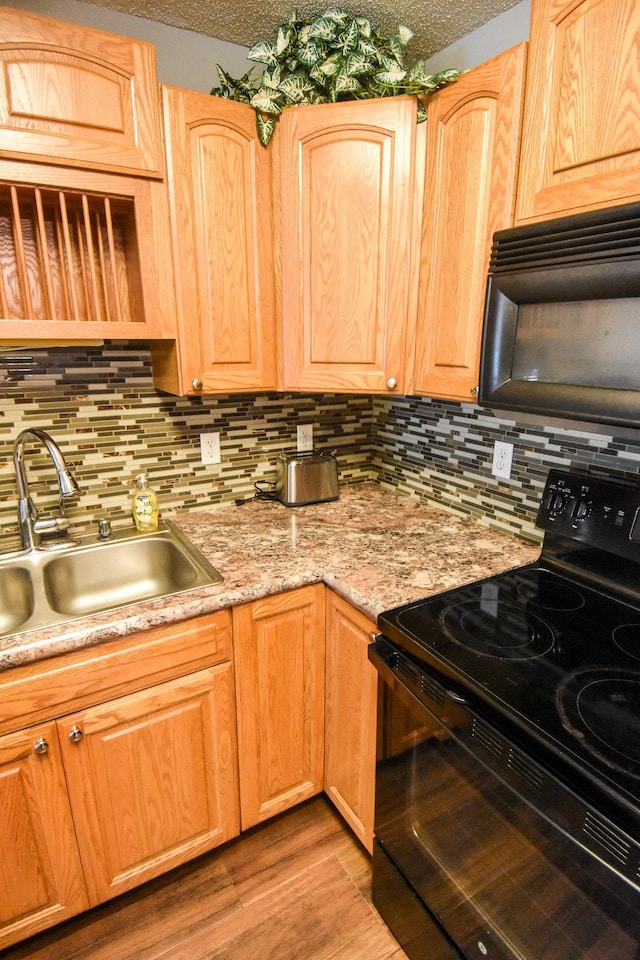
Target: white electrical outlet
209	448
305	437
502	457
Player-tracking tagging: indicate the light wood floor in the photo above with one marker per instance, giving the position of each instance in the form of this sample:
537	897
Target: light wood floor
296	888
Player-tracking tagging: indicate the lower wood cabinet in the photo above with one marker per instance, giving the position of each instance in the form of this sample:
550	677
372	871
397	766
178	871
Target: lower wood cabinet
279	669
122	761
350	717
97	799
152	779
40	871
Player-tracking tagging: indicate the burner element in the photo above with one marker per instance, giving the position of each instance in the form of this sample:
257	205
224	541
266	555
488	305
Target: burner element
550	594
497	630
601	706
627	638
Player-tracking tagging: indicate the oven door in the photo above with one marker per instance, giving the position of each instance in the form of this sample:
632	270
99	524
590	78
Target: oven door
496	874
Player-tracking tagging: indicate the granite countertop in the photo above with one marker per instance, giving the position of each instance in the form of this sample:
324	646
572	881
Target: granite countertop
375	547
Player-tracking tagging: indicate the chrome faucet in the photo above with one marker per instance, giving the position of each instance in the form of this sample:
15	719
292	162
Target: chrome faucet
32	527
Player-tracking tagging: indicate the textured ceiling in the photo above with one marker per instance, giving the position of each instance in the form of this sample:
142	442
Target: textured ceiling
435	23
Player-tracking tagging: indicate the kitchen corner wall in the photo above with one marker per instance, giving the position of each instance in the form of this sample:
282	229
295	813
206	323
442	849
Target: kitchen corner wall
100	405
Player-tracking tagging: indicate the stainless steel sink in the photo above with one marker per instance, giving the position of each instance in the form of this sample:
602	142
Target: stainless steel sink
41	588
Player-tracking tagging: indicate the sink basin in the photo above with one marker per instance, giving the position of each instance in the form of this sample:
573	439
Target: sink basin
41	588
109	575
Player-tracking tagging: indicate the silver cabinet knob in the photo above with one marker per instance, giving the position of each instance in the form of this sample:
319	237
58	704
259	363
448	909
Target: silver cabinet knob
75	734
41	746
196	383
392	383
475	390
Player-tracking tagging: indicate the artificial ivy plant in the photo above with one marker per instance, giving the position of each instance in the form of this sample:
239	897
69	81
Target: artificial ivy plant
335	56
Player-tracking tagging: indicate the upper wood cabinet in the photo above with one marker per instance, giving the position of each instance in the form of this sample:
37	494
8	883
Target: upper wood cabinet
219	179
83	255
347	197
73	95
581	135
471	162
279	650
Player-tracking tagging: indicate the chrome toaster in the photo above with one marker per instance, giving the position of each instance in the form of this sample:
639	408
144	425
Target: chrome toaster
306	478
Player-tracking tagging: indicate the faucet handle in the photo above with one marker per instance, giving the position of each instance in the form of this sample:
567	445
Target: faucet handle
46	526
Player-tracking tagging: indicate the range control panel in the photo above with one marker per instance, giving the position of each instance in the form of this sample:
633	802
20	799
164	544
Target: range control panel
604	513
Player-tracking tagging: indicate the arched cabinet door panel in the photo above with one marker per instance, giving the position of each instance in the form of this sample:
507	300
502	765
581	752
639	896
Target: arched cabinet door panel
470	182
76	96
581	133
347	214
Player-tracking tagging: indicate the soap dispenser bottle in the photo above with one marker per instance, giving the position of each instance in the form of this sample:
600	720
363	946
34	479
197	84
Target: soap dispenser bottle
145	506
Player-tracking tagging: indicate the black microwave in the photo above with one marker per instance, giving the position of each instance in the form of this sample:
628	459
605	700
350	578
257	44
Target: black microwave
562	318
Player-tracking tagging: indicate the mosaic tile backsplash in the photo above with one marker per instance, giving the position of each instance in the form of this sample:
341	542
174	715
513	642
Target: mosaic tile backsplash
100	405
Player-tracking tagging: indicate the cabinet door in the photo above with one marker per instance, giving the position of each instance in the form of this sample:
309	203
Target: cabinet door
350	721
347	204
279	659
221	218
152	779
581	135
41	880
472	153
73	95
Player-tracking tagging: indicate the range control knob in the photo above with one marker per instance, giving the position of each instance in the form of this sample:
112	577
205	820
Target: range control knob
557	502
581	509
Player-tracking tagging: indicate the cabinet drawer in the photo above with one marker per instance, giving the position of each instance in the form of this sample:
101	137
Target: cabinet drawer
49	688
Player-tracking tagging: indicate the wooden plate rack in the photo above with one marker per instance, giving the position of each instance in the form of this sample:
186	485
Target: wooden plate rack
68	256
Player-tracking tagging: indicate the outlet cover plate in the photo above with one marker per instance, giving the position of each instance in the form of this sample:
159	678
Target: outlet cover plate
502	457
305	437
209	448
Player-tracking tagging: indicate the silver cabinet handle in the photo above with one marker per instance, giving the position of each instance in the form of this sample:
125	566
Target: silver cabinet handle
196	383
41	746
75	734
392	383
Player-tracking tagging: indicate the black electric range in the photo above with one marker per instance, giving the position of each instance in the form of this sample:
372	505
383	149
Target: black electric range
553	648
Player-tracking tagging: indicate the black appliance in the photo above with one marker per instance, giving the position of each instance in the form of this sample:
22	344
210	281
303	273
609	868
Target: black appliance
560	328
508	778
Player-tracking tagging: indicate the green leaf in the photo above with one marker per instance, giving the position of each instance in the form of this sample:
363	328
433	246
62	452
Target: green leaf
304	35
346	84
267	101
263	52
332	65
446	76
395	49
349	38
390	78
422	112
295	89
323	29
271	79
337	14
309	54
364	26
265	127
367	47
357	64
283	40
404	35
